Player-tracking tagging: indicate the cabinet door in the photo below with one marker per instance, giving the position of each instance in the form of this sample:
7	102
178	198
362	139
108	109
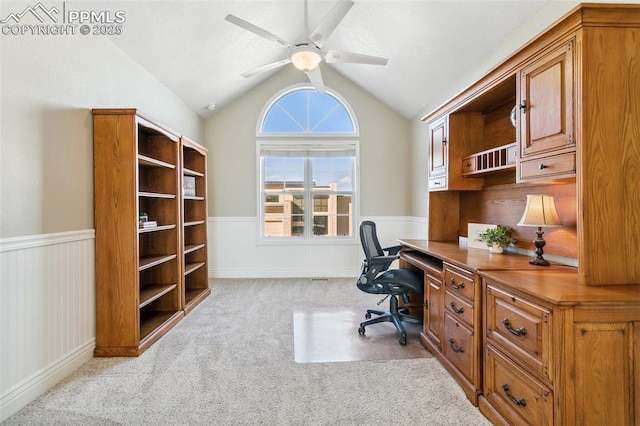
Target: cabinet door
606	354
433	316
546	99
438	137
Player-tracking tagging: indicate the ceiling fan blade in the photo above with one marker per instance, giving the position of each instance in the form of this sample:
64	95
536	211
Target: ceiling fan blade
315	77
338	57
325	28
267	67
257	30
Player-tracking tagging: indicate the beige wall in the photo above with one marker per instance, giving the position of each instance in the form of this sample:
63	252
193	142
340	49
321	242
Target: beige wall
385	138
49	85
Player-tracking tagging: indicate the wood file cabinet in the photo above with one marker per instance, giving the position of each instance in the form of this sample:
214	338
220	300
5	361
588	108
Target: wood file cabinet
461	324
559	353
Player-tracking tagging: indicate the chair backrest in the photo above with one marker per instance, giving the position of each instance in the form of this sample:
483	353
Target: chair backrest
369	240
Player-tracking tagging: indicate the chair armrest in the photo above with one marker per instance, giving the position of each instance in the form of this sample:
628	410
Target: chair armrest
381	263
393	250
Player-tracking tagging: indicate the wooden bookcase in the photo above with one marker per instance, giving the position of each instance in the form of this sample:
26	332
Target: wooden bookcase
194	223
140	285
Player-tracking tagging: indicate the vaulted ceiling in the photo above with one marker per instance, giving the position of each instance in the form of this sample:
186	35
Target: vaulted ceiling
190	48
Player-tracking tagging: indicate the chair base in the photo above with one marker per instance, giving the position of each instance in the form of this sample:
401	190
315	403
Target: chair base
394	315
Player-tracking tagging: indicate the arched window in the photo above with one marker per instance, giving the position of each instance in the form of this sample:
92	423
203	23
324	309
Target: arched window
306	111
307	149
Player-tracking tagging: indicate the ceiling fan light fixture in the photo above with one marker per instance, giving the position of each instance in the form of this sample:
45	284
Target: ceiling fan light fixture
305	58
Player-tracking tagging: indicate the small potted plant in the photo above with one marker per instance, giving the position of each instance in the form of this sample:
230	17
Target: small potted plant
497	238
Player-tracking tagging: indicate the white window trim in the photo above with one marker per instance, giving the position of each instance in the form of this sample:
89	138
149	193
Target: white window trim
312	140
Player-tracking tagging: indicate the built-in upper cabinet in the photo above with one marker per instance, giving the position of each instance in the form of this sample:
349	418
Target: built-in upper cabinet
438	147
545	115
451	138
580	125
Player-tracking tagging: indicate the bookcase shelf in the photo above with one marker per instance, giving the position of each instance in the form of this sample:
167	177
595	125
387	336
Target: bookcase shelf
194	230
192	173
192	247
156	228
140	271
153	292
152	162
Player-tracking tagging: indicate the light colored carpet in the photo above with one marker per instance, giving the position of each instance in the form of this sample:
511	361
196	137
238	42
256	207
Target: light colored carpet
331	335
231	362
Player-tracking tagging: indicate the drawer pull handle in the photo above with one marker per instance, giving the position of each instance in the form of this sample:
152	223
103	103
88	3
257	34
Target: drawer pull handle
542	166
456	310
519	332
521	401
456	286
454	348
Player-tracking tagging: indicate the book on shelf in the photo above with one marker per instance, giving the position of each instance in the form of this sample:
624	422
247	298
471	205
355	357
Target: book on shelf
149	224
189	186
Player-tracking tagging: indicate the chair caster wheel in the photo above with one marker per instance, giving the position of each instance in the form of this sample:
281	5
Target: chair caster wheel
361	330
367	315
403	339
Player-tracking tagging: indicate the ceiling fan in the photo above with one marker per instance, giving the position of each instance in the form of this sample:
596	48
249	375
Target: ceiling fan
307	52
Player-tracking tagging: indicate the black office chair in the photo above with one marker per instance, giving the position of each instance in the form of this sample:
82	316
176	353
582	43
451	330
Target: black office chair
375	278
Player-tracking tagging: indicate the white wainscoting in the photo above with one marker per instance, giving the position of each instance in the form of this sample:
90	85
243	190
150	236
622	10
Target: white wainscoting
47	312
235	250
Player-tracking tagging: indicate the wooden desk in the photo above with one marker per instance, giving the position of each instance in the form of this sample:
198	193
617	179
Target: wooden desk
528	344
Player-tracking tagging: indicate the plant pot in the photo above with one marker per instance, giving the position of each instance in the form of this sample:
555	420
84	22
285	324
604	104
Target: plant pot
496	249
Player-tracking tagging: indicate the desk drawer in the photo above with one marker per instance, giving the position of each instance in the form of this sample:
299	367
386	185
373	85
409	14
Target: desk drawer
459	282
518	396
521	328
438	184
458	345
557	165
459	309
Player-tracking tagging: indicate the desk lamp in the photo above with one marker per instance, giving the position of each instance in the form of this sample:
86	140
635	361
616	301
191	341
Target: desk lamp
540	211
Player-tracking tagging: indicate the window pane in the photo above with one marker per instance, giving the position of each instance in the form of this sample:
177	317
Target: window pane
333	173
283	172
277	120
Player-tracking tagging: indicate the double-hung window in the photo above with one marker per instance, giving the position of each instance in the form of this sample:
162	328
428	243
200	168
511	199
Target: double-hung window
307	152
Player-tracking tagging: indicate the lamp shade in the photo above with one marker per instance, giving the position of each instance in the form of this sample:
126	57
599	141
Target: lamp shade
540	211
305	58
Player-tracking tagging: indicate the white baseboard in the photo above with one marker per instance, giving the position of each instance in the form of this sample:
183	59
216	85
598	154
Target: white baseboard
29	389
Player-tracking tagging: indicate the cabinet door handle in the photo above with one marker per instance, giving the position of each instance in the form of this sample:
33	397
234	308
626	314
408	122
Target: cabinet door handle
456	310
523	106
519	332
454	348
542	166
521	401
456	286
444	140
